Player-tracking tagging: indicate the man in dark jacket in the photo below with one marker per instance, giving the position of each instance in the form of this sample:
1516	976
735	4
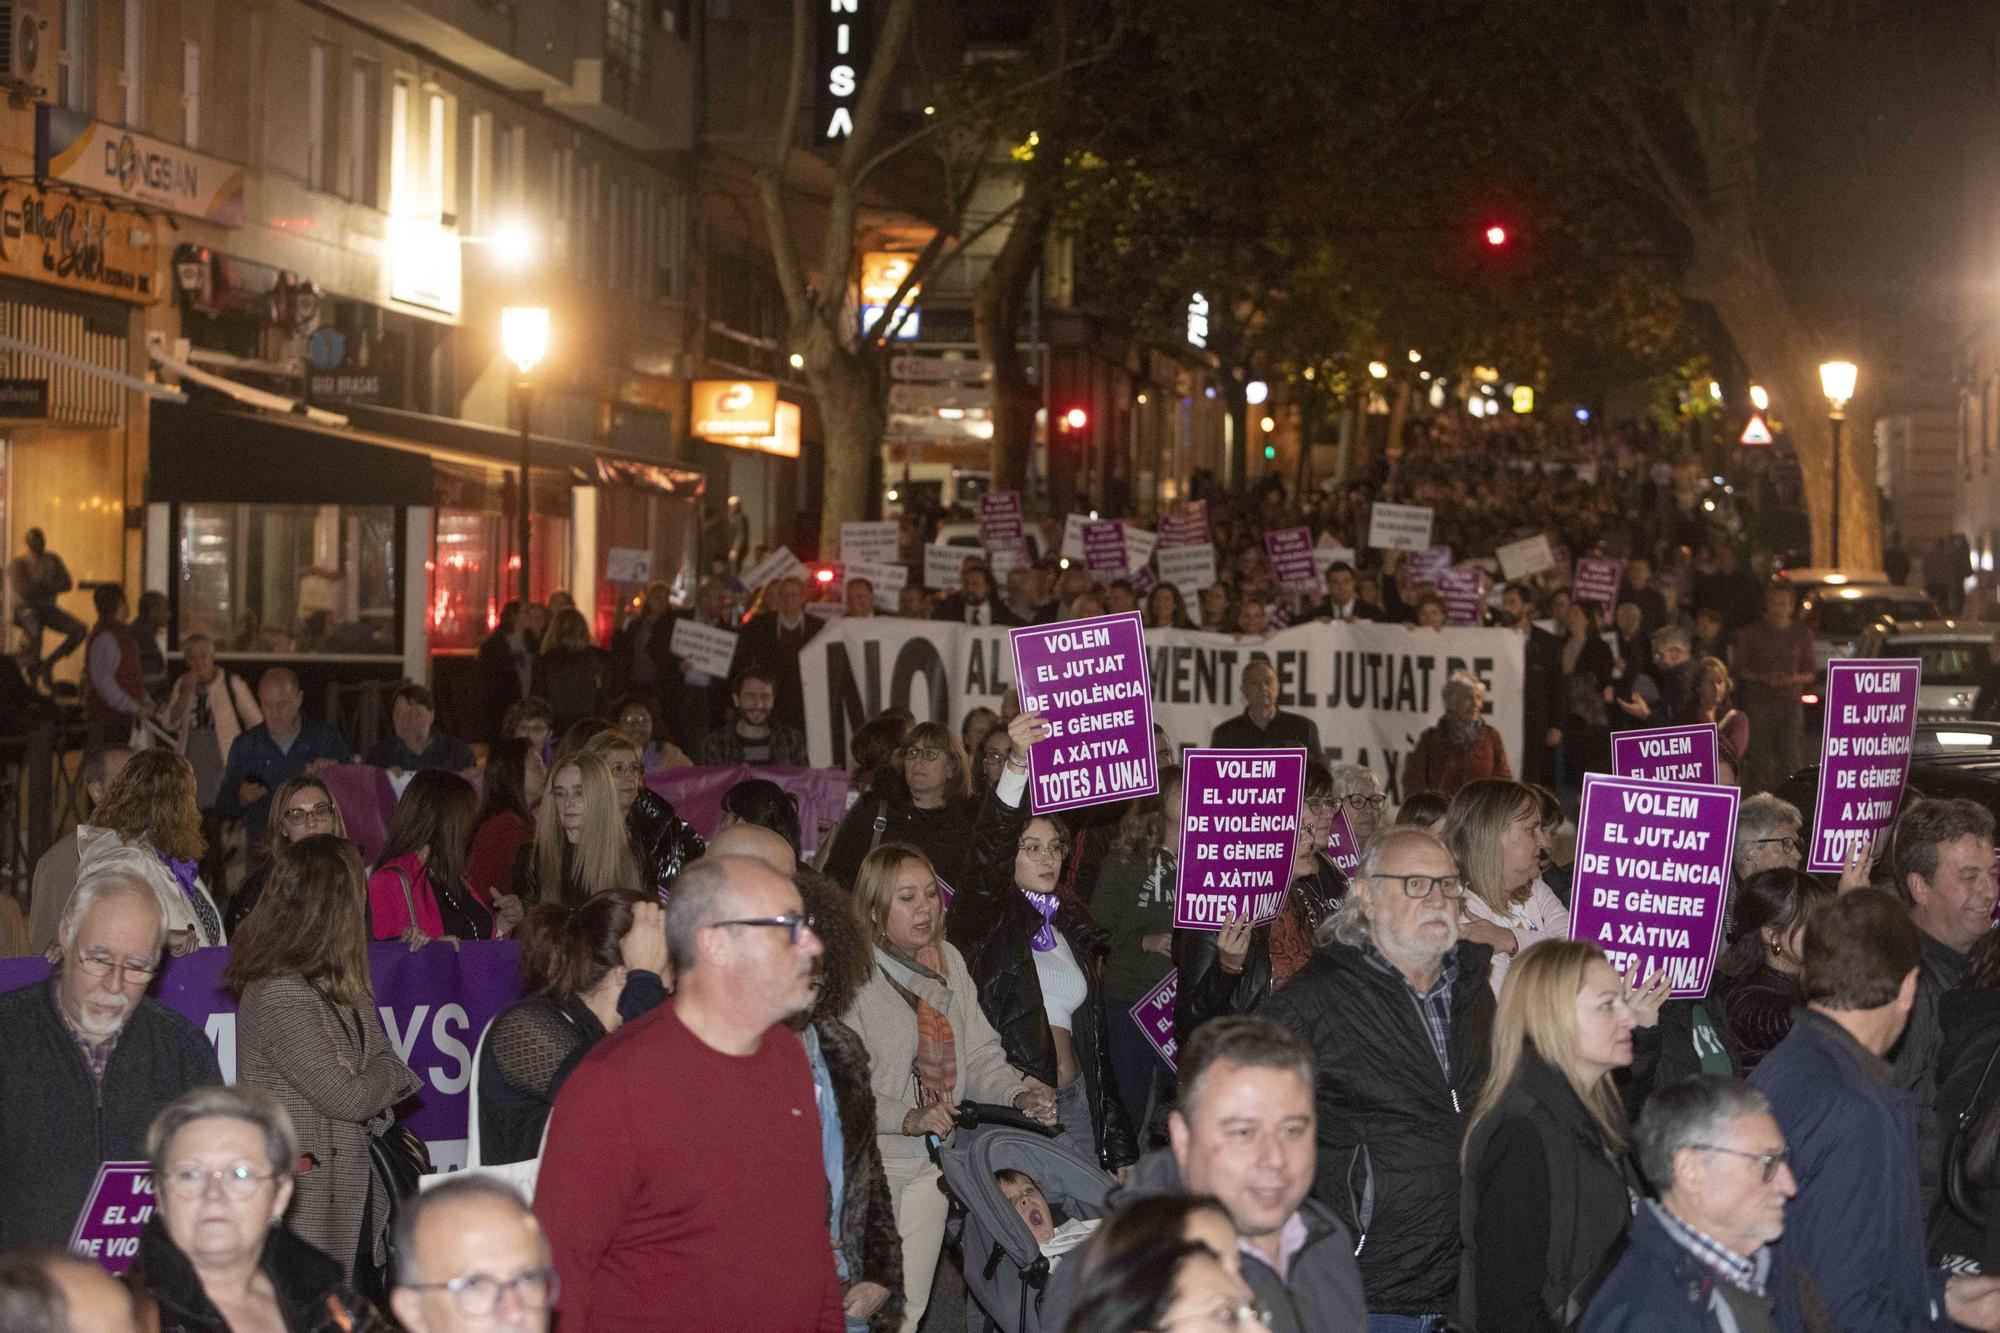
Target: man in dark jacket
1398	1012
975	603
1699	1261
506	664
1544	686
414	742
1261	725
90	1059
772	640
1243	1132
1856	1229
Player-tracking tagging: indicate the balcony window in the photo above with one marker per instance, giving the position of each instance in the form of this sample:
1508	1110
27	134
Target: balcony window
316	579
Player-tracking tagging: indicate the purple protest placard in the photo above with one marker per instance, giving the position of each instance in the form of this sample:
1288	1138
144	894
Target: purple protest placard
1463	590
1155	1016
1667	754
1427	565
999	518
1104	548
1186	525
114	1213
1088	679
1871	716
1597	581
1652	876
1341	846
1239	821
1291	553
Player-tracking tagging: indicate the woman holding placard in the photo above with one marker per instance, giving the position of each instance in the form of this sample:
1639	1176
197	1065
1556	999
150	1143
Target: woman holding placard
1757	980
1034	950
1493	829
1134	904
1545	1157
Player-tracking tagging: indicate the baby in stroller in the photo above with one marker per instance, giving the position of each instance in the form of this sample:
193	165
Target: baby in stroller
1033	1206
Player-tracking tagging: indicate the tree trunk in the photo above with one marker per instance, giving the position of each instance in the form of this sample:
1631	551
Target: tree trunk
998	303
846	385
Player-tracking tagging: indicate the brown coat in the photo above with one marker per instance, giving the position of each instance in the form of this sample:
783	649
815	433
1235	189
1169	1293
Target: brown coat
1440	766
293	1042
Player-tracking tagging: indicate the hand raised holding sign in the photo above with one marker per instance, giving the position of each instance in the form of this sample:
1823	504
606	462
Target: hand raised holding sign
1647	997
1860	868
1024	731
1232	945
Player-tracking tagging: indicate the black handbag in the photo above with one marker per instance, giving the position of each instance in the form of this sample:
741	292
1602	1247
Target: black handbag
1972	1137
400	1159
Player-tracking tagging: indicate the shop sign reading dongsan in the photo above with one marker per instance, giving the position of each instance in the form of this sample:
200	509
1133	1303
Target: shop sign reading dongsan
75	242
73	149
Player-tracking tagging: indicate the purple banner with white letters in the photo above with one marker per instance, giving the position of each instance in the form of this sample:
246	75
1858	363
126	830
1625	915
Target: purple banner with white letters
1428	565
1871	716
1000	519
434	1004
1239	821
1667	754
1652	876
1463	591
1291	554
1155	1016
1597	581
114	1213
1088	679
1104	548
1341	846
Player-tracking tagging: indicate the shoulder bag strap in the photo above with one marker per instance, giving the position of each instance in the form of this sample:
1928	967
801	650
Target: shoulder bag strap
409	898
881	822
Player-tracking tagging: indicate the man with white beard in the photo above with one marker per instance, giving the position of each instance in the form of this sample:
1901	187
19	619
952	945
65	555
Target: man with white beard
89	1059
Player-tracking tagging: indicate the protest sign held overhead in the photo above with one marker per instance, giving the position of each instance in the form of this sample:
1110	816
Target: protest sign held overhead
1393	527
1087	679
1239	826
944	565
1652	876
1429	564
1104	549
1291	554
1185	525
1667	754
1597	581
1189	568
878	543
709	649
1871	718
886	580
1526	558
780	564
1463	590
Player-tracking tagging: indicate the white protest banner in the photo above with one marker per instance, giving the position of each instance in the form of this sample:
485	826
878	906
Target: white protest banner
1371	689
1072	547
943	563
780	564
1399	527
876	543
1189	568
887	581
628	564
1526	558
708	648
1140	544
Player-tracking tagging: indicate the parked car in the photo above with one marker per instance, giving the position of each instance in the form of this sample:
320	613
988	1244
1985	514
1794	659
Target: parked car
1956	657
1955	737
1839	614
1971	776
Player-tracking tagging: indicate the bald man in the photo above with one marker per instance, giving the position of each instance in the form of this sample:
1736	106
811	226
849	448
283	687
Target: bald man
759	844
476	1232
43	1289
284	744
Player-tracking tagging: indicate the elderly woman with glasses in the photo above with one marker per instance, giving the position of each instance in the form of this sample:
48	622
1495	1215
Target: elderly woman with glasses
216	1255
301	807
924	800
1769	835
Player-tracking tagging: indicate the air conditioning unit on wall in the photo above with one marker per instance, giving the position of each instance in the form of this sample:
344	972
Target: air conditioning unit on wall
29	49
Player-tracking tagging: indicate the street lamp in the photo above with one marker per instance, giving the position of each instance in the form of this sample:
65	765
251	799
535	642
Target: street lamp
1378	370
1760	399
524	337
1836	380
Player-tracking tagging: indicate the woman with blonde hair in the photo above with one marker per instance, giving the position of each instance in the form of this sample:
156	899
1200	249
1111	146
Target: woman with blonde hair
1493	828
662	842
1711	703
924	800
930	1047
150	808
1547	1183
580	847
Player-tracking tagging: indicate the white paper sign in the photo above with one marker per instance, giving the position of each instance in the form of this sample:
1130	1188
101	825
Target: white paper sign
628	564
1139	546
709	649
1326	557
1399	527
780	564
1005	559
943	563
874	543
1072	547
1527	557
886	579
1189	568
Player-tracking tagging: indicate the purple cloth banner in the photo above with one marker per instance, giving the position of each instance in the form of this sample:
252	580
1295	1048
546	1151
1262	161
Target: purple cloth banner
1597	581
1104	548
114	1213
696	795
1871	716
1428	566
1652	876
1239	822
434	1004
1155	1017
1463	590
1340	846
1667	754
1292	563
1088	679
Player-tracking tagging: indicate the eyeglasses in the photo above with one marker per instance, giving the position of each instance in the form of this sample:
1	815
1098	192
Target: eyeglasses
1770	1161
1360	801
926	755
1041	851
300	815
238	1182
1791	843
1224	1316
99	965
798	923
1420	886
479	1294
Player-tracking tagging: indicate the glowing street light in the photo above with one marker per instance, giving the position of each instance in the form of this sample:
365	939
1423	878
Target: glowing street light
1836	380
524	337
1759	399
1255	392
1378	370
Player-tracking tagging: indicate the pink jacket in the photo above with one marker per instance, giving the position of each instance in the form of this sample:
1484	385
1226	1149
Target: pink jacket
389	912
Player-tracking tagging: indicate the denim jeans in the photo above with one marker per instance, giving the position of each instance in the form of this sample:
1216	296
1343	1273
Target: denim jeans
1405	1323
1073	1109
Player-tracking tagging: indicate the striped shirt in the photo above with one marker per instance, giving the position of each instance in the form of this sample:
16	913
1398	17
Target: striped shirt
1731	1267
1433	1005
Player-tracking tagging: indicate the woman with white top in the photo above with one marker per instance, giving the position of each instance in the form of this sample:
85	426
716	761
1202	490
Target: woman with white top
1035	954
1493	828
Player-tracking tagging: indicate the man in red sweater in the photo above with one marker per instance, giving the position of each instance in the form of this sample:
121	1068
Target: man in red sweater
682	1186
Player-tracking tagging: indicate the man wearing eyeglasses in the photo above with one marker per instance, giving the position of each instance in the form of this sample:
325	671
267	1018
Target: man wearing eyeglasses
683	1184
470	1258
280	747
1398	1013
89	1059
1699	1259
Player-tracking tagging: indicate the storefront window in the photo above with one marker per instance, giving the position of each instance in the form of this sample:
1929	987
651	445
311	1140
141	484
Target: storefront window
317	579
474	574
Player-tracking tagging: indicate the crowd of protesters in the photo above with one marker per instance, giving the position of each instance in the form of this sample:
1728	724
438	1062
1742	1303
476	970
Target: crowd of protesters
741	1064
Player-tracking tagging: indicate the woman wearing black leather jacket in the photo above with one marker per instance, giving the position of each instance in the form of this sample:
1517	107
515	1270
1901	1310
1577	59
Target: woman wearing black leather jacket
1231	971
662	841
1030	948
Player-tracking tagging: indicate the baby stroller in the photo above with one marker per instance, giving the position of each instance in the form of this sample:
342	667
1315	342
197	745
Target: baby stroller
1004	1268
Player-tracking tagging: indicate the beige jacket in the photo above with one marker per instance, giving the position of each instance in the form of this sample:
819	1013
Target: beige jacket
888	1026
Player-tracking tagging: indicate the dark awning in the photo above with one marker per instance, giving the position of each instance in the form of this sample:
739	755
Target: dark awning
202	454
682	482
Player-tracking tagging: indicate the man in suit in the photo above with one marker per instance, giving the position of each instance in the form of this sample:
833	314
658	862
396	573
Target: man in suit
1343	597
975	603
1544	688
772	640
506	658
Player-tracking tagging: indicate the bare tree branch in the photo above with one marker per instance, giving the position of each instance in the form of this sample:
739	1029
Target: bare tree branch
770	180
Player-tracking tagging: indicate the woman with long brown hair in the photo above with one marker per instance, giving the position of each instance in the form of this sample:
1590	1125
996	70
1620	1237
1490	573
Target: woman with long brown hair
924	800
150	806
662	842
418	891
301	807
308	1031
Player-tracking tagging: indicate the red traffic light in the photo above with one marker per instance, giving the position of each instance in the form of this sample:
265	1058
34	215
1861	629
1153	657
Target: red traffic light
1076	418
1496	236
